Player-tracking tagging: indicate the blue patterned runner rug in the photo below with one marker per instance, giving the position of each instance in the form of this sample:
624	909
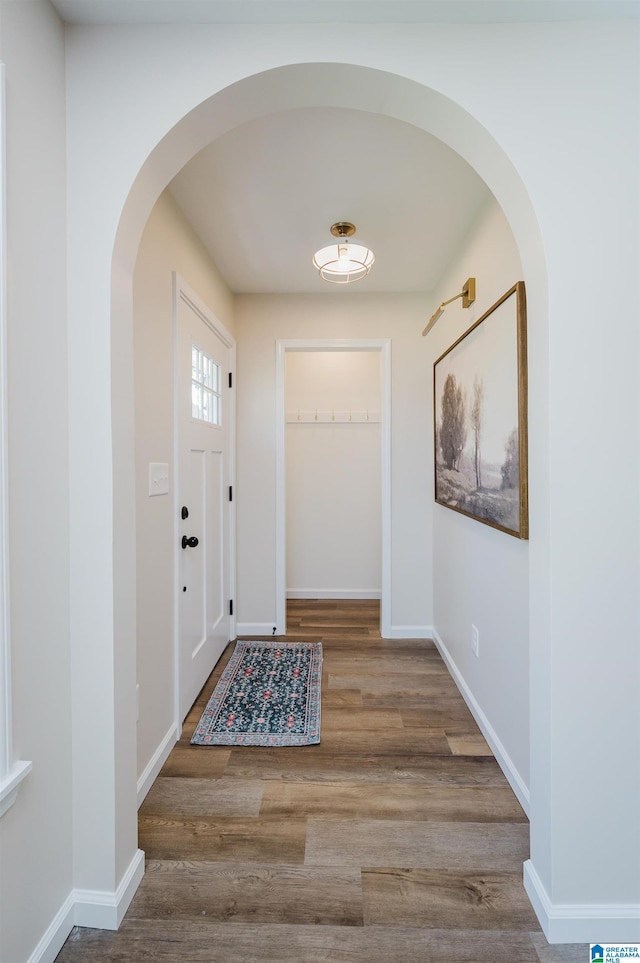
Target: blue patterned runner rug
268	695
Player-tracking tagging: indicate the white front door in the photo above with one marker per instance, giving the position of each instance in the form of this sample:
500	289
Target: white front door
203	414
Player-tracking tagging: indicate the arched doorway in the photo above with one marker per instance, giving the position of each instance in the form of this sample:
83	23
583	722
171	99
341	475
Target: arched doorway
343	85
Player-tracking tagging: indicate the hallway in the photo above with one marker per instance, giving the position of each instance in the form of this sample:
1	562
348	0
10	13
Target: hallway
397	837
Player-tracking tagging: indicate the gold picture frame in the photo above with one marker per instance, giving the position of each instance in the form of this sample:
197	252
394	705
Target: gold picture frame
480	419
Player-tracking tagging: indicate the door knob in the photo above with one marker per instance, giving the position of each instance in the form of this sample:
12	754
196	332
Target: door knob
189	542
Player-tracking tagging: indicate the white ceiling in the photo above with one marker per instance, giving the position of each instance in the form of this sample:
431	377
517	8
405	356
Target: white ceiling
263	196
342	11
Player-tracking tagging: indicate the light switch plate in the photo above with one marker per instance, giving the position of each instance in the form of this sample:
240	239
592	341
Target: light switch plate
158	478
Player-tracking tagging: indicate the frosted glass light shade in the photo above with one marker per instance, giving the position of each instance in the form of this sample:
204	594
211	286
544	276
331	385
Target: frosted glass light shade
343	262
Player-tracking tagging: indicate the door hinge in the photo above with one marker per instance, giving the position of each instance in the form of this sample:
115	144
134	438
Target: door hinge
230	493
230	380
230	606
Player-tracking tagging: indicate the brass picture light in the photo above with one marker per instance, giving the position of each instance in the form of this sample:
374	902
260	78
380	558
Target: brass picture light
468	295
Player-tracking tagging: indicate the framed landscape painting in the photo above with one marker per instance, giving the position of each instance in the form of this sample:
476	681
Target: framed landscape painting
480	419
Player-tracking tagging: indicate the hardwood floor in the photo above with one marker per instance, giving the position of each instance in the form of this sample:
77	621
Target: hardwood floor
397	837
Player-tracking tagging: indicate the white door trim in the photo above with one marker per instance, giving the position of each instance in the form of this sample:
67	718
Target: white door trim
12	772
383	345
182	292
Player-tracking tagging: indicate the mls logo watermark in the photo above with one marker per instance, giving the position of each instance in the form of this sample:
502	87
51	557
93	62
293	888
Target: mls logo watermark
614	952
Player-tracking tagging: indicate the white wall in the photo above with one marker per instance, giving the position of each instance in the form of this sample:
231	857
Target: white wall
481	576
35	833
333	478
260	320
168	244
547	115
542	111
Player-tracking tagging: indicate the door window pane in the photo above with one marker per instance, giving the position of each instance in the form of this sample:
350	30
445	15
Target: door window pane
205	388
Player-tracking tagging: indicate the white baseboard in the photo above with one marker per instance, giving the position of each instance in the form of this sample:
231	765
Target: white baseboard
255	628
579	922
104	910
334	593
95	908
410	632
502	756
156	763
54	938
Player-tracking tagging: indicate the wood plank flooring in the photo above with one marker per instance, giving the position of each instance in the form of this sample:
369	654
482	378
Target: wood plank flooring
397	837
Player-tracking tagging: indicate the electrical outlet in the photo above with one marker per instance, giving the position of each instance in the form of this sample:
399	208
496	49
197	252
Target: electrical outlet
475	641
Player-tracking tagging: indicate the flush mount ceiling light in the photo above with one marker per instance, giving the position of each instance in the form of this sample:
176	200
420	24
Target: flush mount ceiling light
343	261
